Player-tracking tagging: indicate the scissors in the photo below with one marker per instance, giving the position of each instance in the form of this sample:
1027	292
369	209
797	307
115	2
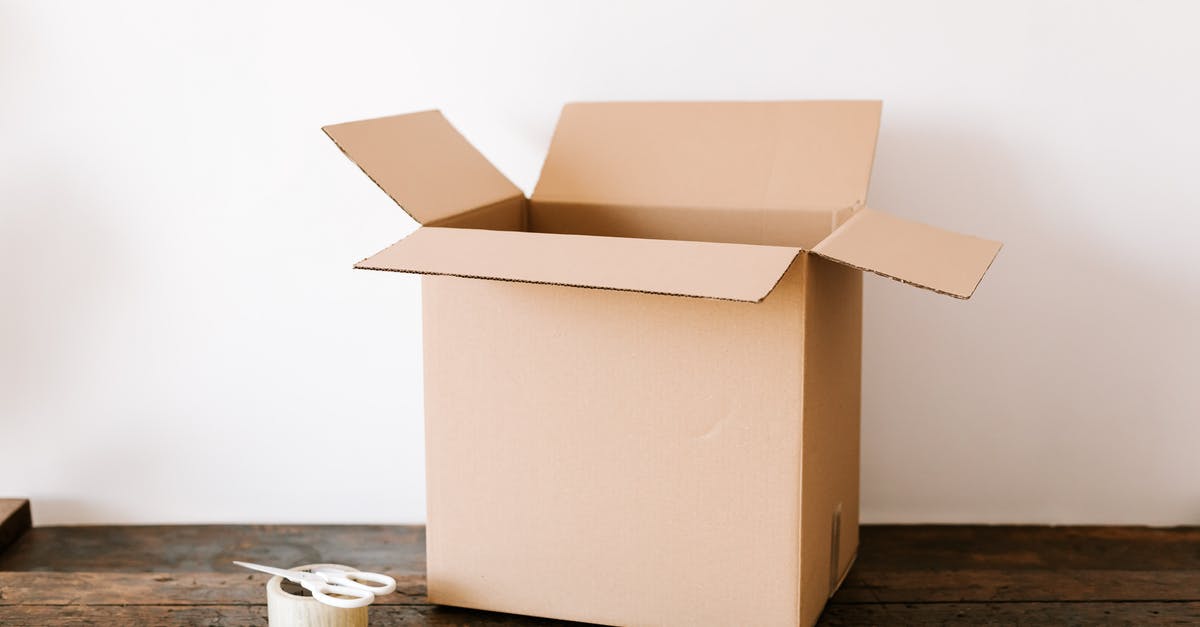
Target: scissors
326	581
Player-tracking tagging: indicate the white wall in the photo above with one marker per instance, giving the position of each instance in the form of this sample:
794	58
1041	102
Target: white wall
183	339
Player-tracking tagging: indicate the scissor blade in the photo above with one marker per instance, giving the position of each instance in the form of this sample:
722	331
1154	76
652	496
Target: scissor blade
291	575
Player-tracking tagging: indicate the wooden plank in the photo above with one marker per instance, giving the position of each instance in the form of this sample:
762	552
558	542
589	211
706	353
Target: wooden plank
381	616
915	586
162	588
15	519
1155	613
885	548
966	547
46	588
79	615
200	548
925	574
1027	614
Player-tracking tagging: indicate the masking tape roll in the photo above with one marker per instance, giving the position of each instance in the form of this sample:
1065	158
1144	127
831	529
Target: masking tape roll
285	609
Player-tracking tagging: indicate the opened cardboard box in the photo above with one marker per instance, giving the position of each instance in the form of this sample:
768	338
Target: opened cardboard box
642	382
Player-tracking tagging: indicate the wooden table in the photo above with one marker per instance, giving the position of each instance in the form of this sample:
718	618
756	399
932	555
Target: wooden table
945	575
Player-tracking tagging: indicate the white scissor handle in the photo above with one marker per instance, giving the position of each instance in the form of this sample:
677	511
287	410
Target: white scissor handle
323	592
375	583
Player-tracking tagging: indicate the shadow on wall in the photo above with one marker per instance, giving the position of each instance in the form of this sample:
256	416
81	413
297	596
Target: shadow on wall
1061	392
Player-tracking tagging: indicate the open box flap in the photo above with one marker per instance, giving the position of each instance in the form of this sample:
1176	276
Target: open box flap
709	270
921	255
786	155
424	164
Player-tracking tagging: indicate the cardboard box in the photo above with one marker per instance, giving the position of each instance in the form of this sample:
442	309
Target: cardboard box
642	382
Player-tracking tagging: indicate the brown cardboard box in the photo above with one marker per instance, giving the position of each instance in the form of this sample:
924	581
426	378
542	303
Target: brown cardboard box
648	411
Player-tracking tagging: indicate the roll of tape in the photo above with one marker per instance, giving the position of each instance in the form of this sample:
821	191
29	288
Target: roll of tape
285	609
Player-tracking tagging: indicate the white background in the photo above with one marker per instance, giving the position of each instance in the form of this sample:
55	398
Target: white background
183	340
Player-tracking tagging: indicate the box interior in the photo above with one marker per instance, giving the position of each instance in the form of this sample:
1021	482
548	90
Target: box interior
774	173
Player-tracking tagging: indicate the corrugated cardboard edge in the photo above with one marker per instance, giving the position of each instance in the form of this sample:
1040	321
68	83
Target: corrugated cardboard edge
922	237
468	163
325	130
360	266
911	283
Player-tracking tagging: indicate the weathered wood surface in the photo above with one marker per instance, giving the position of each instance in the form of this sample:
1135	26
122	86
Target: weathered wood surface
983	586
15	520
40	616
1156	613
162	588
850	615
945	575
212	548
1017	548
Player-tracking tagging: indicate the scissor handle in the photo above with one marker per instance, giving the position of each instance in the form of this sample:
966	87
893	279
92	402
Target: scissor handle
323	592
375	583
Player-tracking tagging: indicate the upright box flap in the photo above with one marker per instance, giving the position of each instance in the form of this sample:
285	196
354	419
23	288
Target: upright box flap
921	255
710	270
424	164
728	155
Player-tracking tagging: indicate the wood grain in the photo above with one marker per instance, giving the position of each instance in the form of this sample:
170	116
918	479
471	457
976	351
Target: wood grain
990	586
944	575
1148	613
39	616
212	548
1021	548
162	588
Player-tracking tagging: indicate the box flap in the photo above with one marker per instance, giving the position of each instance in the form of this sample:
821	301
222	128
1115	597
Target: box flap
710	270
424	164
728	155
921	255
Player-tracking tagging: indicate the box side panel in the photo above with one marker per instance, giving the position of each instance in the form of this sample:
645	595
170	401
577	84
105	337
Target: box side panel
777	155
613	457
773	227
509	214
832	381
